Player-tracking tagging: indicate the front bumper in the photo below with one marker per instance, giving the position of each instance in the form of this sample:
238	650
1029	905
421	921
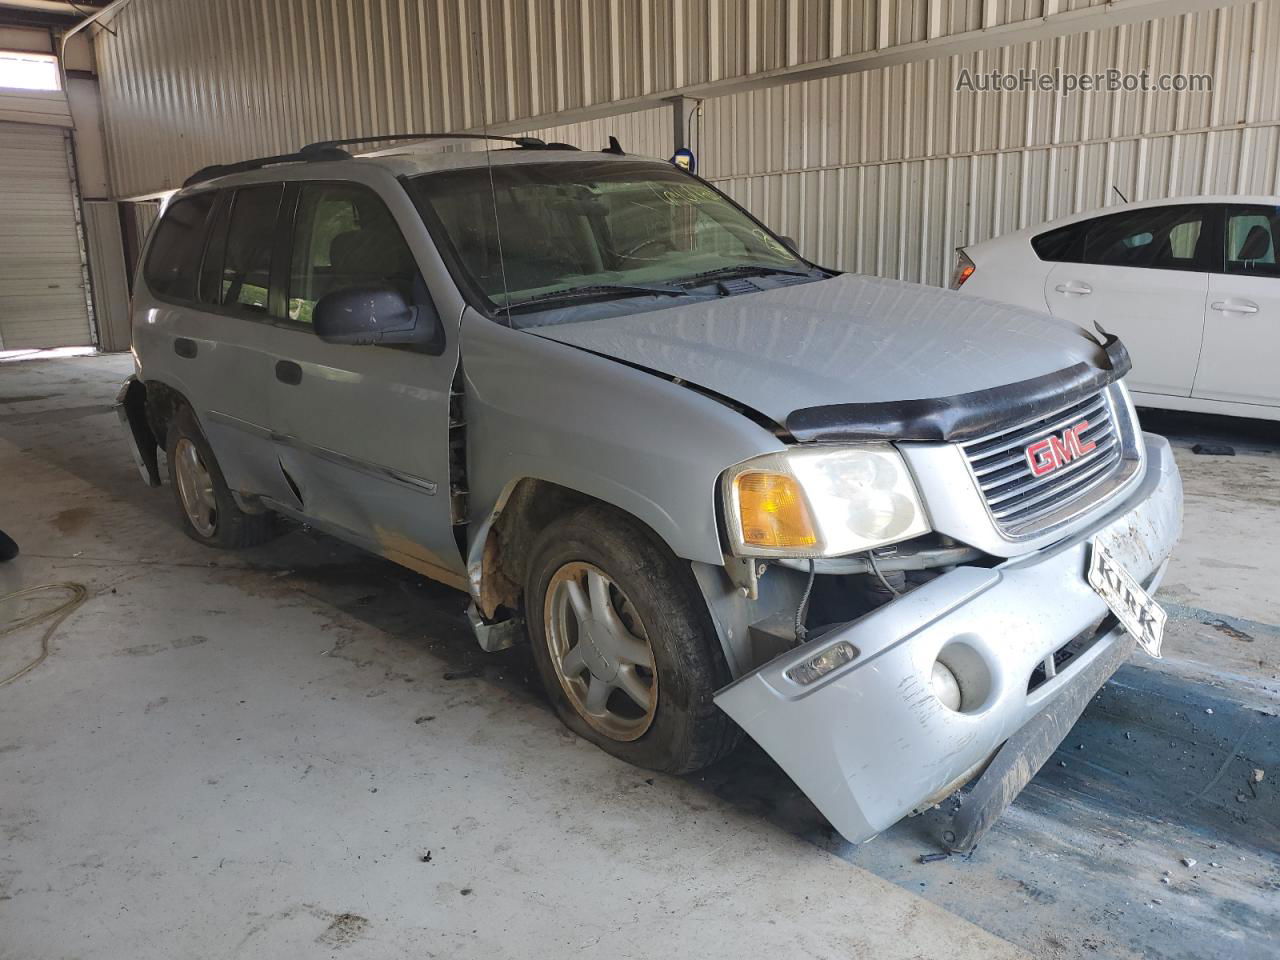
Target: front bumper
870	743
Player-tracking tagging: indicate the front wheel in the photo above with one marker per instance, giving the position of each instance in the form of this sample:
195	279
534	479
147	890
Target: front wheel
624	644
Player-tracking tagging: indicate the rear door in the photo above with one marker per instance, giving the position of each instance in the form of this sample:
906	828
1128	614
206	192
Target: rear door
200	333
1142	275
363	431
230	357
1241	352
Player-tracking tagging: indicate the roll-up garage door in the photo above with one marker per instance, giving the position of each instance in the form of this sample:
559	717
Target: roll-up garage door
42	297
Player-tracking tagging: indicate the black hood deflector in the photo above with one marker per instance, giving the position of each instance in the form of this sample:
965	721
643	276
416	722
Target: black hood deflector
964	416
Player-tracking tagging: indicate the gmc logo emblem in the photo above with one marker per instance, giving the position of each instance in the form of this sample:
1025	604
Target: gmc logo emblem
1047	455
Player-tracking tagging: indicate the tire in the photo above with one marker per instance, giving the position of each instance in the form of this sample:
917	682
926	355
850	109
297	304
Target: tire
659	601
230	528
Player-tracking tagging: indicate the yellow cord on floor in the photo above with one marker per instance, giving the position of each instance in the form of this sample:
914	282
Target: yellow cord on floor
55	617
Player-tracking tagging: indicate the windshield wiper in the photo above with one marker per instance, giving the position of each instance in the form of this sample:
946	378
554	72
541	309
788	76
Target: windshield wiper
741	270
598	290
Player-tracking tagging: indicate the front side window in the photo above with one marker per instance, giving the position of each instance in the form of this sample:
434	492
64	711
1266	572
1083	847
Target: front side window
1251	241
539	231
343	237
246	264
174	256
1156	238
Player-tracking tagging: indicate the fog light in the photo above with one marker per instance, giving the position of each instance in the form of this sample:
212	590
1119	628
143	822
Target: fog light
815	668
945	686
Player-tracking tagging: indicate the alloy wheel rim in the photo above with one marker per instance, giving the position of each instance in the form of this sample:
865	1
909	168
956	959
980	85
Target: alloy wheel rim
195	488
601	652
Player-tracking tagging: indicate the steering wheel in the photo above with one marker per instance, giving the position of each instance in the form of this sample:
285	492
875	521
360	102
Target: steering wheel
633	253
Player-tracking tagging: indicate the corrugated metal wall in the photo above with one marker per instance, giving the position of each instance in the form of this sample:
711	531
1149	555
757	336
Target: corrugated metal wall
646	132
886	172
191	82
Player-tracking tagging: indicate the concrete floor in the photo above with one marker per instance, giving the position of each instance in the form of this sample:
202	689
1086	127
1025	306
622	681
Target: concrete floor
299	751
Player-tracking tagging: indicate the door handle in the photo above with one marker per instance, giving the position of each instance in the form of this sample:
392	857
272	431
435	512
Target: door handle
185	347
288	372
1234	306
1079	288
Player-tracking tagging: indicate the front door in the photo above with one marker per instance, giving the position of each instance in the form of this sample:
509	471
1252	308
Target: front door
1141	277
1241	351
362	432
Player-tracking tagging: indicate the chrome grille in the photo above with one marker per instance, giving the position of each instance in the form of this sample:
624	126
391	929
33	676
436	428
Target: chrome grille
1021	502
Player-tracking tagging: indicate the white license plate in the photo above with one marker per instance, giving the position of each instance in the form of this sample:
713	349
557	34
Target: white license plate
1133	607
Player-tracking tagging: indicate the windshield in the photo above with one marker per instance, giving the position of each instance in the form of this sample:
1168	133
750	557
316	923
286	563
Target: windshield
596	229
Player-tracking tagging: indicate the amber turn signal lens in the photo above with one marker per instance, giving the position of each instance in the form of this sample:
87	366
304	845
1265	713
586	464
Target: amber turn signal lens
773	511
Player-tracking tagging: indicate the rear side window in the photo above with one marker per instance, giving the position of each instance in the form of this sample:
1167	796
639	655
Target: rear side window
1158	238
246	264
1251	241
174	256
344	236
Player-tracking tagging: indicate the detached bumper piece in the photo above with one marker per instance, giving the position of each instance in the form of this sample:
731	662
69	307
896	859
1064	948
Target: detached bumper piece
867	720
1026	751
131	408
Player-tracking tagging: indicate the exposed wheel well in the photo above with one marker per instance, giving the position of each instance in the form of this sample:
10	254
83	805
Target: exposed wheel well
163	403
532	505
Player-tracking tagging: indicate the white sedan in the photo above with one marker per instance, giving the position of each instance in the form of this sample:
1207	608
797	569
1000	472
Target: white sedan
1191	285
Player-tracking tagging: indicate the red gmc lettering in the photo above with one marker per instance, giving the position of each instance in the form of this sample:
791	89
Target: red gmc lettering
1047	455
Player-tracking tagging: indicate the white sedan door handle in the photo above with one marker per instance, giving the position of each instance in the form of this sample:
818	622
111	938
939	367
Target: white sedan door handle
1234	306
1074	286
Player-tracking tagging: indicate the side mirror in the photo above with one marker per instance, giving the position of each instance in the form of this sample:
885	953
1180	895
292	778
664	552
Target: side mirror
374	315
789	242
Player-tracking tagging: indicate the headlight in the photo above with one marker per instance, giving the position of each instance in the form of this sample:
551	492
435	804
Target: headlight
821	502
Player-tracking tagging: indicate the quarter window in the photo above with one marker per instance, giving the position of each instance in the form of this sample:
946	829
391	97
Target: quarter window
1250	237
344	236
1061	245
174	256
246	268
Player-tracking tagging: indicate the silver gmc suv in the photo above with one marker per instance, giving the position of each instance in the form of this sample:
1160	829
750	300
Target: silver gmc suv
898	535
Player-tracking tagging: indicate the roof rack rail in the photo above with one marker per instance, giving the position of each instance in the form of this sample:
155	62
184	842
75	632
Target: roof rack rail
528	142
302	156
332	150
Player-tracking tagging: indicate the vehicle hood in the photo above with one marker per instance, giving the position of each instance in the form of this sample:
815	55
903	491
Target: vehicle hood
855	347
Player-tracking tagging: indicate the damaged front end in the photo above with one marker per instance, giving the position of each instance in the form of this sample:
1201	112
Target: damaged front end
880	716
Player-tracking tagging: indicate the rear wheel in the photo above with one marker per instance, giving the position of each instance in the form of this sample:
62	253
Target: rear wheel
624	645
206	506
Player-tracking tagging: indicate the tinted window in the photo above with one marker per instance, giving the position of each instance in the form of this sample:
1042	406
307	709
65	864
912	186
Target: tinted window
344	236
210	286
1061	245
174	257
246	268
1251	240
1158	238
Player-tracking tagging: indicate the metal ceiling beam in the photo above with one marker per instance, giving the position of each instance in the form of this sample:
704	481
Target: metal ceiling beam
44	14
